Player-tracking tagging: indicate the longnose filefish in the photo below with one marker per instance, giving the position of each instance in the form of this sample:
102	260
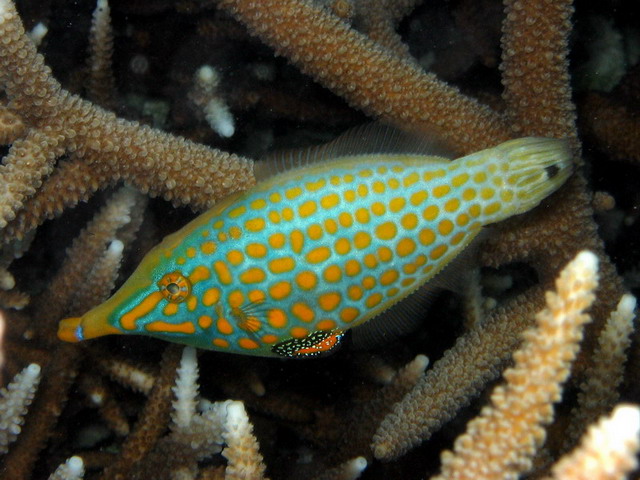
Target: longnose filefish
285	268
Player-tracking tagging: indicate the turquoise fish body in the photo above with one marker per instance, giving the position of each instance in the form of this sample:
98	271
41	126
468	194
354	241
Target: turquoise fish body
285	268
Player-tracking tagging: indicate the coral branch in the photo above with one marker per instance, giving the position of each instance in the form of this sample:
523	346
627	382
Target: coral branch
500	442
369	78
608	451
242	453
72	469
153	161
29	160
454	380
14	403
102	85
599	392
379	20
154	418
535	70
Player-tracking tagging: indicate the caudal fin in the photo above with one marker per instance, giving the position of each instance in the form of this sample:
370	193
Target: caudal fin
534	167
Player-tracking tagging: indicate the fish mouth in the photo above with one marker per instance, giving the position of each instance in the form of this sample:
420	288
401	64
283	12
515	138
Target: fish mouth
69	329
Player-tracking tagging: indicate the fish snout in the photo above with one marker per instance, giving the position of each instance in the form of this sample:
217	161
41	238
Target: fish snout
91	325
70	330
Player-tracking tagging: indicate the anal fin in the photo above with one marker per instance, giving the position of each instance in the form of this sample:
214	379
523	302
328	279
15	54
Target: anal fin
401	319
406	315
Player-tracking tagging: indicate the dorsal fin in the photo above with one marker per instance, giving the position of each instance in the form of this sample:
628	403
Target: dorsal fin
369	139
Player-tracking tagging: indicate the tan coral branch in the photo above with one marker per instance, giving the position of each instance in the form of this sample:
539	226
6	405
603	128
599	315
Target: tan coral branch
454	379
535	68
153	161
379	19
102	84
608	451
29	160
369	78
500	442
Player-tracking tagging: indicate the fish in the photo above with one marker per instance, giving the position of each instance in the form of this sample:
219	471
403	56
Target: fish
328	243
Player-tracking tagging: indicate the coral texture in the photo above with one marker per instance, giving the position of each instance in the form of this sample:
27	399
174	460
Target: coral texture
104	150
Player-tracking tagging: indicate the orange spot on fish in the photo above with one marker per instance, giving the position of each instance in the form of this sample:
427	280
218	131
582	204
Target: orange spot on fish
166	327
205	321
329	301
297	241
224	326
277	318
326	324
299	332
248	344
306	280
146	306
280	290
199	273
303	312
222	271
208	247
282	265
210	297
269	338
252	275
220	342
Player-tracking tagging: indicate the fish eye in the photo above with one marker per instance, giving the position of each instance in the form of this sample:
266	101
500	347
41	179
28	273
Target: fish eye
175	287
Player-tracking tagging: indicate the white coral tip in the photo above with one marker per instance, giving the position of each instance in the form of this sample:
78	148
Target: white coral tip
76	466
627	305
358	464
624	424
116	247
587	261
236	415
208	76
421	361
32	370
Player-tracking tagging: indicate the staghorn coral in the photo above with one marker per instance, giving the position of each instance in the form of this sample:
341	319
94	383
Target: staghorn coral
604	375
500	442
90	254
75	155
60	122
14	404
101	88
72	469
608	451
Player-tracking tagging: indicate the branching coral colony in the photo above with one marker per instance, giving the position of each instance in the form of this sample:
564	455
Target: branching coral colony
200	67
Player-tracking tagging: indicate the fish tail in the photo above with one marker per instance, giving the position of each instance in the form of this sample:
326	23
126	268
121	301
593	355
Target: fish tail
532	168
538	152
